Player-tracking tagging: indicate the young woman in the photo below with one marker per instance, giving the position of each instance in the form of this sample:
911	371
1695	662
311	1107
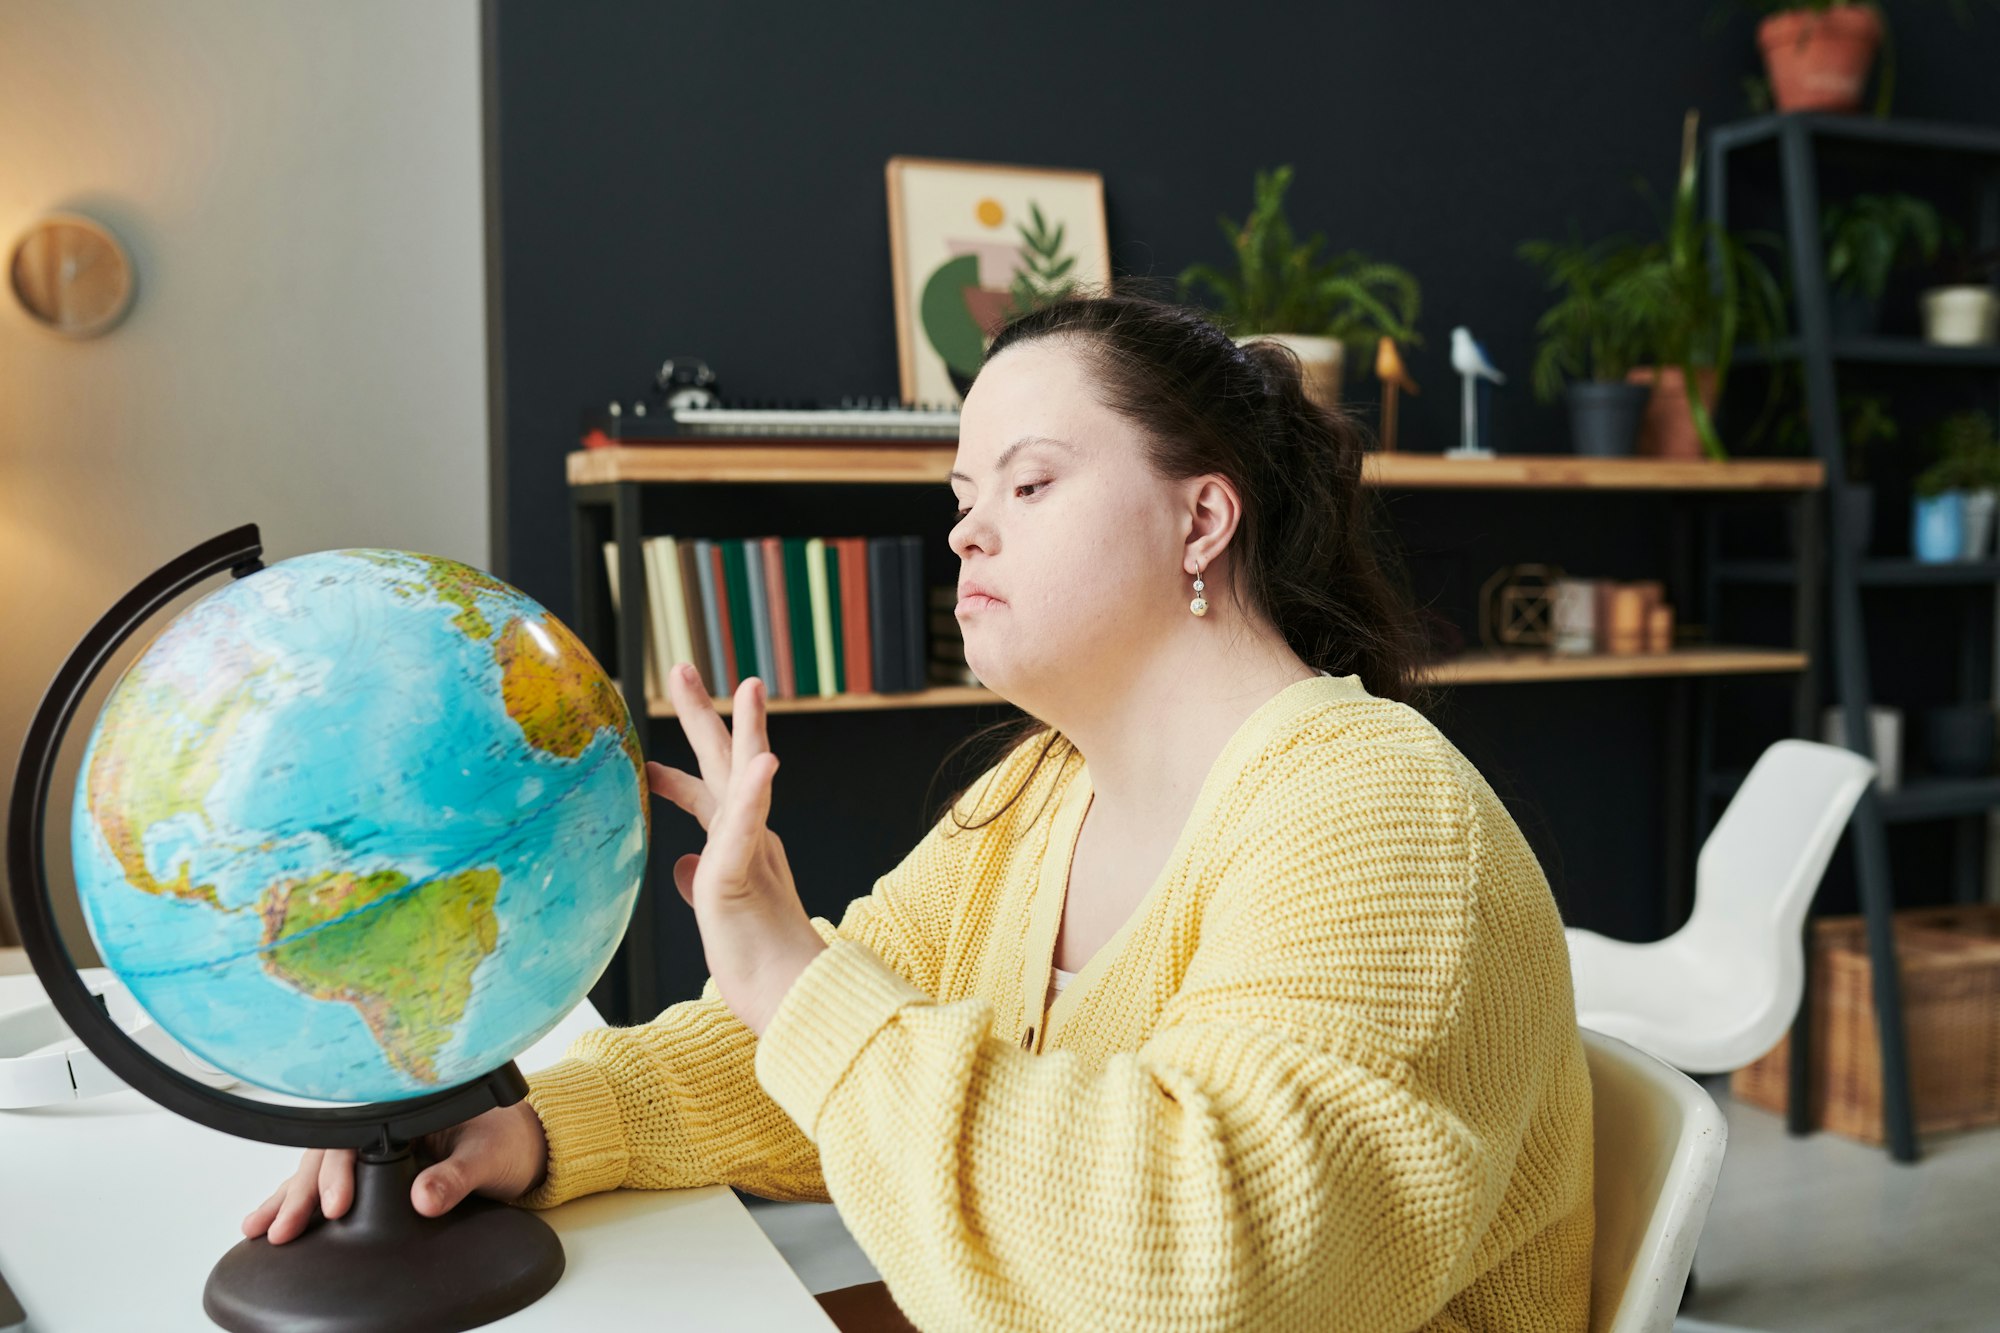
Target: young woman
1230	997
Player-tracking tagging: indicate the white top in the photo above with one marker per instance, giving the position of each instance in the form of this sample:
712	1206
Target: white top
1059	978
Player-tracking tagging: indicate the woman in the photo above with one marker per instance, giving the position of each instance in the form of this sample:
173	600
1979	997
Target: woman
1230	997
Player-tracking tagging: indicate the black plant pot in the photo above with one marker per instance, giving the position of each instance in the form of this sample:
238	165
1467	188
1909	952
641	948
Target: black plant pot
1604	416
1853	315
1959	740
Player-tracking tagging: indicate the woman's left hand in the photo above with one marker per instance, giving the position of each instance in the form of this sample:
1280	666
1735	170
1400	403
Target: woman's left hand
755	933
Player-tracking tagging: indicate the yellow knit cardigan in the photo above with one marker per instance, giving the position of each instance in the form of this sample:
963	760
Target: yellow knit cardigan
1327	1075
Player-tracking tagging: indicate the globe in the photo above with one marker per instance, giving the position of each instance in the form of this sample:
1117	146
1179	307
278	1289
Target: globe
361	825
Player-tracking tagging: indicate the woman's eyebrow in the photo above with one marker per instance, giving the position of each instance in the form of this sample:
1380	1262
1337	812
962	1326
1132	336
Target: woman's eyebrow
1016	448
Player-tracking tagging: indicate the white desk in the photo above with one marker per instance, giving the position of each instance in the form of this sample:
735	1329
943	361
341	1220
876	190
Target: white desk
112	1212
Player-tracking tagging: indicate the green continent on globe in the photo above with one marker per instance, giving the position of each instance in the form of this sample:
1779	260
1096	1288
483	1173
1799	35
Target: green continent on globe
405	964
448	581
145	773
558	698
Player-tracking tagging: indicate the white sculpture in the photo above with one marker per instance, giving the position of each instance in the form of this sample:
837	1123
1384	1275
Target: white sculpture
1469	359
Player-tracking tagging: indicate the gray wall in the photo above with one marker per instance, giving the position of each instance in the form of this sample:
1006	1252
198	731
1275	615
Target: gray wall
299	185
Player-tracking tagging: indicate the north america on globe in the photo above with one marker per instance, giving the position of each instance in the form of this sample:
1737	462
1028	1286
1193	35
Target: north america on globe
361	825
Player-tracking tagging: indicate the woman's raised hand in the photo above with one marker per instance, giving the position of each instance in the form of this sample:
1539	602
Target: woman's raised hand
755	933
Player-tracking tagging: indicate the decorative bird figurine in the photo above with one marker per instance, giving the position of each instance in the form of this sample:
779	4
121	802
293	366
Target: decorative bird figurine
1469	359
1395	379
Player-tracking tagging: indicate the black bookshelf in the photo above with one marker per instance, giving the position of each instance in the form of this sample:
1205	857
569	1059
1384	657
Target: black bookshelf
1788	150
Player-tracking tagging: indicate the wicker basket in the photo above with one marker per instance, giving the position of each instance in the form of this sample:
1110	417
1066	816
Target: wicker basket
1950	963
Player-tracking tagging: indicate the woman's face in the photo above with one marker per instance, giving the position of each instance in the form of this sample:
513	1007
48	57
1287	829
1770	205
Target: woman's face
1080	544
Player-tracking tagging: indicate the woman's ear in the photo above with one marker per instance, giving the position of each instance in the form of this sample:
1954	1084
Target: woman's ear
1212	514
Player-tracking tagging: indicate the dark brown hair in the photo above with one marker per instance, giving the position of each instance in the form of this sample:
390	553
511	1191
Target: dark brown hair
1308	549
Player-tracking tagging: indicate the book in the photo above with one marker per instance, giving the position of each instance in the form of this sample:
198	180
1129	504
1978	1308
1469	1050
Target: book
915	631
805	660
738	592
837	651
652	667
884	604
697	618
679	632
784	682
717	670
659	619
822	623
760	610
777	597
854	613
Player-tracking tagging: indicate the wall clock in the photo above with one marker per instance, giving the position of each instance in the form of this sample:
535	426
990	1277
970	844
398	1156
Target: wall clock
72	275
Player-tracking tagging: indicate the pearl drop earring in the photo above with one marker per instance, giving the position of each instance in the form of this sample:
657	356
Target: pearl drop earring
1200	604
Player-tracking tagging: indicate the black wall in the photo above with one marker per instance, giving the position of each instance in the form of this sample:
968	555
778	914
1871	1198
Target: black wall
708	180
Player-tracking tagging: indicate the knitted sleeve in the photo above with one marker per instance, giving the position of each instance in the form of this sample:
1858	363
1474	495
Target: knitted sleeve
1317	1133
675	1102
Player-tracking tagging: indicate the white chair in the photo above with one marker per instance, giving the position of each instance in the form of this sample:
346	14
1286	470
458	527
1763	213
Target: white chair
1658	1150
1722	990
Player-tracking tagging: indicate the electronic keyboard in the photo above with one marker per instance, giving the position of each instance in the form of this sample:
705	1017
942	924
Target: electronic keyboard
638	422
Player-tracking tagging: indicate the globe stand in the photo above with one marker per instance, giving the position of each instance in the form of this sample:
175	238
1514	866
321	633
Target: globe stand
383	1267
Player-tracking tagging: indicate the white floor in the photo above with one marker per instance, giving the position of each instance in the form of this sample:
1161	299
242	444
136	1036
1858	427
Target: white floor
1818	1233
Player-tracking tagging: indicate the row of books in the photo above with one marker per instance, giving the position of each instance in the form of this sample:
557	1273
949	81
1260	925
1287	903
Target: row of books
809	616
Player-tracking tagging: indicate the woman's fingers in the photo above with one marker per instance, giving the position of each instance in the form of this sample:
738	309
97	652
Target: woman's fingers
336	1181
748	737
439	1188
703	725
295	1202
685	790
258	1220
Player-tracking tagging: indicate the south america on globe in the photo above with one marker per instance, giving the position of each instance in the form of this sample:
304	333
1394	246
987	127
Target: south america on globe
361	825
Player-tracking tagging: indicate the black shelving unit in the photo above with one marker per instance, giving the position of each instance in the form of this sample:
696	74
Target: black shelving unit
1791	147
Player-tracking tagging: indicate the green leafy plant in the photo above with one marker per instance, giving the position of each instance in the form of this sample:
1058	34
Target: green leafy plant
1046	275
1587	334
1867	234
1281	286
1691	310
1864	420
1967	450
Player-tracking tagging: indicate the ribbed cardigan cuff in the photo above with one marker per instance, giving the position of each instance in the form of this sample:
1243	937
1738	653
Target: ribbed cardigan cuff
579	1113
844	997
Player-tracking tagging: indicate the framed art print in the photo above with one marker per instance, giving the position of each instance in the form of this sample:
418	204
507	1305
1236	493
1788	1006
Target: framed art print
971	244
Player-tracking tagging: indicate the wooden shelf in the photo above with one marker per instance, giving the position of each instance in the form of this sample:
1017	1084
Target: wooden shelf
1482	668
1574	472
938	696
1497	668
931	463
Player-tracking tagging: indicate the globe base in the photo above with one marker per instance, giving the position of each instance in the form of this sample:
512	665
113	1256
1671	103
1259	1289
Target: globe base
383	1267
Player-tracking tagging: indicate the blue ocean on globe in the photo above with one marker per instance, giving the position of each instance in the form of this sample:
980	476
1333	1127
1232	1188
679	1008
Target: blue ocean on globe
361	825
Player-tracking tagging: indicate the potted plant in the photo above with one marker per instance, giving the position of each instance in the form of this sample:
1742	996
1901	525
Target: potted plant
1970	438
1964	311
1965	464
1320	309
1589	342
1865	237
1864	420
1692	295
1817	53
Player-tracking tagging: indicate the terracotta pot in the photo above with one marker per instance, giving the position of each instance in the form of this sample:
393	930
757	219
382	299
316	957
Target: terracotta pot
1668	430
1321	359
1818	60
